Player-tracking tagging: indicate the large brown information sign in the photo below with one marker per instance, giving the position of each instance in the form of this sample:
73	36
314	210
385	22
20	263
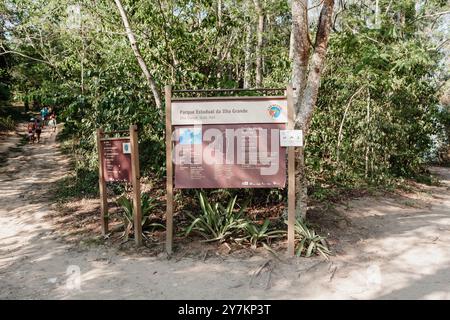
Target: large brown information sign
229	156
116	160
230	142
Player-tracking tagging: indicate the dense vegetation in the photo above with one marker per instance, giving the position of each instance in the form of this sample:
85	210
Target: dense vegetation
378	114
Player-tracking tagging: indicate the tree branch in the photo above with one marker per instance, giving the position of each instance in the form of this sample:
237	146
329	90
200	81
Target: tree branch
26	56
343	120
134	46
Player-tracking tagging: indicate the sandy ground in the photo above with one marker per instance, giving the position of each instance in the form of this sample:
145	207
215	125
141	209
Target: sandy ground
398	248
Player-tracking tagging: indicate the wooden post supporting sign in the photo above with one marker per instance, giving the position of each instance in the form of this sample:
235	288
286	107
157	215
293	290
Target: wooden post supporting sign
118	161
135	180
291	176
102	185
169	171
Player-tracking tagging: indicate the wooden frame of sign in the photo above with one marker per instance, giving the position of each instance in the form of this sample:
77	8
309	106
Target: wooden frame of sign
116	166
288	120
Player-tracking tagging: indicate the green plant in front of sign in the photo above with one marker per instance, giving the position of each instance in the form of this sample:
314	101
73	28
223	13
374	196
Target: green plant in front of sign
216	222
261	233
147	204
309	242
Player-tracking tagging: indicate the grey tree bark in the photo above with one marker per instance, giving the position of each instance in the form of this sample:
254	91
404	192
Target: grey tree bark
306	74
300	47
291	44
219	13
259	44
137	53
248	55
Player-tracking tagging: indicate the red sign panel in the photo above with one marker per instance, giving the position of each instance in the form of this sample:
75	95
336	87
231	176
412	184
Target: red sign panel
116	160
229	156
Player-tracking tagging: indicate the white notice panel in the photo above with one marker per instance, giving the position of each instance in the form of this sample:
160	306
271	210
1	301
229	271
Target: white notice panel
291	138
258	110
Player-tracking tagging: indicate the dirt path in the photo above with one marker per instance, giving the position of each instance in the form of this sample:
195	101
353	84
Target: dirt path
401	251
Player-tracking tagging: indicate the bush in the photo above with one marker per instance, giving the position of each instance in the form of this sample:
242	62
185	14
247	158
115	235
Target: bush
261	233
83	183
7	124
147	205
309	242
216	222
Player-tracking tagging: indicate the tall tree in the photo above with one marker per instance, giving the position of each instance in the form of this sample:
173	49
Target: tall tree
307	70
134	45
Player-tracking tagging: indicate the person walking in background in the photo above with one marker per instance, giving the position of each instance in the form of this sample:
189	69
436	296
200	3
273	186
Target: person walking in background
38	126
52	121
31	129
44	115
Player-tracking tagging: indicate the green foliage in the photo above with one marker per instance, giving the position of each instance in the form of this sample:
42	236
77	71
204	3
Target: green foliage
377	113
7	123
5	93
147	205
309	242
261	233
216	222
82	183
219	223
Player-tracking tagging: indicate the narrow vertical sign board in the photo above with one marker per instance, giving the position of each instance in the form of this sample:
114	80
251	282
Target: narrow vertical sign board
118	159
228	142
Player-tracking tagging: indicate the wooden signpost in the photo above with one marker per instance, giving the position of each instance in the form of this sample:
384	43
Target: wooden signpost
291	177
169	173
118	159
240	138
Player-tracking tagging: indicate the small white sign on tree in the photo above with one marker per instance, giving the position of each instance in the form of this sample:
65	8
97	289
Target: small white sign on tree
291	138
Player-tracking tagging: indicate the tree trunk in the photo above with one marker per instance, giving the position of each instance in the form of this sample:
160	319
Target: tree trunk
83	50
219	13
248	61
291	44
300	48
259	44
306	80
368	139
137	53
300	53
377	14
309	97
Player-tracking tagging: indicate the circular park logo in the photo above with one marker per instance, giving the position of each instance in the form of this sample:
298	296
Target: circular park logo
274	111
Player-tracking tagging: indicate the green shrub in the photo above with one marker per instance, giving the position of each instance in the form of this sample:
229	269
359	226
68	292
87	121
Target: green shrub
309	242
216	222
82	183
261	233
7	123
147	205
